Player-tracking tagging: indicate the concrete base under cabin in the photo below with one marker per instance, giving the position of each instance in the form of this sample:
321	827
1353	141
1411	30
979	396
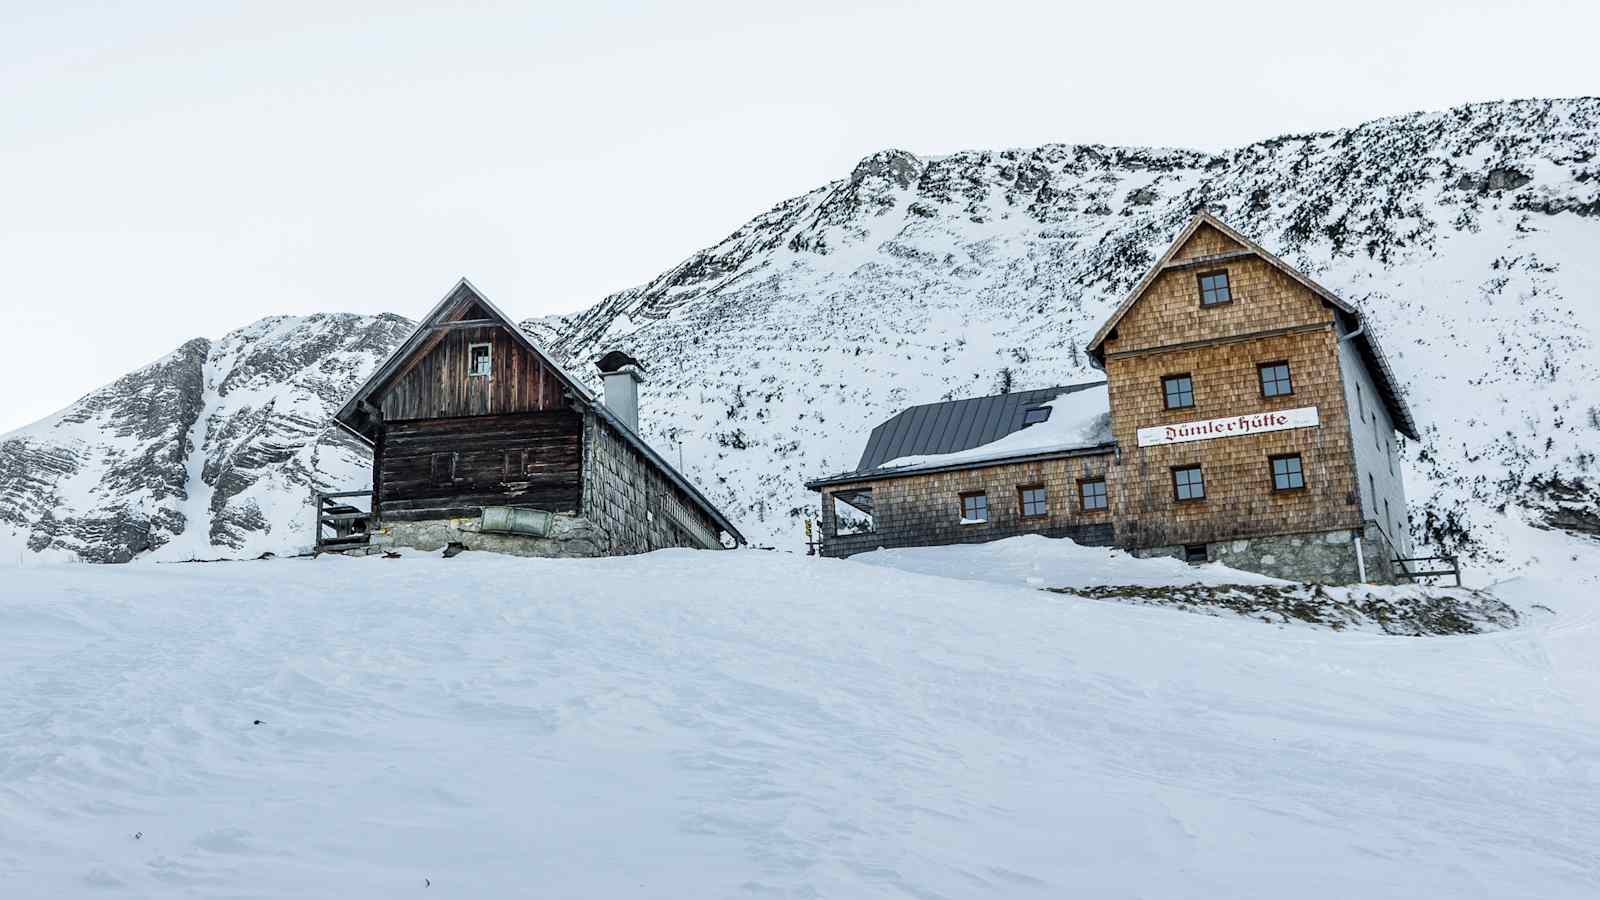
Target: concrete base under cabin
570	536
1321	557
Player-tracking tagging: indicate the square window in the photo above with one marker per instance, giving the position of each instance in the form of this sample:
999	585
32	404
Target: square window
480	359
974	509
1188	483
1178	390
1275	380
1033	500
1214	289
1287	474
1092	493
1194	553
1035	415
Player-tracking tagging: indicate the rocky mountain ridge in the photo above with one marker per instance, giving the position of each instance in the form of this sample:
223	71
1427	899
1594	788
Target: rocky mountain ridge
1466	236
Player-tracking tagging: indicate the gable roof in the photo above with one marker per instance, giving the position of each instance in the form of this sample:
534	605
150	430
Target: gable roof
354	418
952	426
1350	316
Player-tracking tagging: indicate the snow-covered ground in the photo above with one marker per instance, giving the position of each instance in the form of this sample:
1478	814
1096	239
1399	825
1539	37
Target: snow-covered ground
753	724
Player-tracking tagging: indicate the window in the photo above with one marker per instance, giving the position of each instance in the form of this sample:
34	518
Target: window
1372	486
1035	415
1214	289
1194	553
1389	450
480	359
1275	381
853	512
444	468
1361	405
1388	519
515	466
1179	391
1092	493
1188	483
1033	500
1286	473
1377	434
974	509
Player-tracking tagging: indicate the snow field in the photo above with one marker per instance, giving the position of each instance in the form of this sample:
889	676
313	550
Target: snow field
761	724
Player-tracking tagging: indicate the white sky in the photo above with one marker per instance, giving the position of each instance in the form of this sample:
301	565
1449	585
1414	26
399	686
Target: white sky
177	170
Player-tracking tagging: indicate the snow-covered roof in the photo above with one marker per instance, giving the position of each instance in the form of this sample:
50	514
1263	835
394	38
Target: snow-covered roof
985	431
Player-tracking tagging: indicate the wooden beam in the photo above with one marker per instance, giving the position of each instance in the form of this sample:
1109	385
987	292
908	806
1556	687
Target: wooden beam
1201	262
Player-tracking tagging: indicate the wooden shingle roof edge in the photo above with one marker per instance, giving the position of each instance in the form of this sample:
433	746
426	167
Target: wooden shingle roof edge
1371	352
352	419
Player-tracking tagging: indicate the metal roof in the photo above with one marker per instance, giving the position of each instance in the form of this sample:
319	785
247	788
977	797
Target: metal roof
951	426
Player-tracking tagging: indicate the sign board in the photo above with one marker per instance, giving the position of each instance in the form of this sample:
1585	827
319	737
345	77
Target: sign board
1232	426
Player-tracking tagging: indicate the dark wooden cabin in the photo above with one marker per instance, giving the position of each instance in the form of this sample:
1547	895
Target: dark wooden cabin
468	414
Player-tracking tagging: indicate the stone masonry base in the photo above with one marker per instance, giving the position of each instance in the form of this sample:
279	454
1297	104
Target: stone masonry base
1326	557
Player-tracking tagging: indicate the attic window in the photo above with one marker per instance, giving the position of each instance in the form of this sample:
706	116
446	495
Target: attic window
480	359
1214	289
1035	415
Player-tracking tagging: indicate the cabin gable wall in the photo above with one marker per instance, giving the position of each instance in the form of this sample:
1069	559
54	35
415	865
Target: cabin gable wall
436	385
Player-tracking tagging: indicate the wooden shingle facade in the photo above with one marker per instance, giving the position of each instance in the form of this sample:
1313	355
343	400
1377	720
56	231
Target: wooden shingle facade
1253	420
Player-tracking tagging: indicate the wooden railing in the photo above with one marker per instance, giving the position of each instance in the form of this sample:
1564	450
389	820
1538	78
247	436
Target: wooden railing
350	523
1443	565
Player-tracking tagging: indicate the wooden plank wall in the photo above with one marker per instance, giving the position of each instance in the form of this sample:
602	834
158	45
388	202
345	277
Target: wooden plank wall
528	459
436	384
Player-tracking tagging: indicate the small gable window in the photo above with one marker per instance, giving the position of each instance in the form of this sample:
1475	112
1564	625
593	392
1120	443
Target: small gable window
1092	493
1179	391
1287	474
1214	289
1275	380
1188	483
480	359
974	509
1035	415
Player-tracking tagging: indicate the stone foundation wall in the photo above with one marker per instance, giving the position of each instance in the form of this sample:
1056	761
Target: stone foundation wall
636	507
1318	557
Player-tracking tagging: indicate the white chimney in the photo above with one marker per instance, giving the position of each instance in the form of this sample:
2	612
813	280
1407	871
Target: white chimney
622	374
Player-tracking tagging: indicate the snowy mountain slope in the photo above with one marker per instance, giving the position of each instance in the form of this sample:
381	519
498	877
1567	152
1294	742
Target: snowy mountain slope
210	451
1467	236
861	731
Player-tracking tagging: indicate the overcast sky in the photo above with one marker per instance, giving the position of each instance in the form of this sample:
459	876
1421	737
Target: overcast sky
177	170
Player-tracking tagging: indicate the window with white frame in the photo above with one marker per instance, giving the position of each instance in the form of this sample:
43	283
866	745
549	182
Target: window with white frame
480	359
